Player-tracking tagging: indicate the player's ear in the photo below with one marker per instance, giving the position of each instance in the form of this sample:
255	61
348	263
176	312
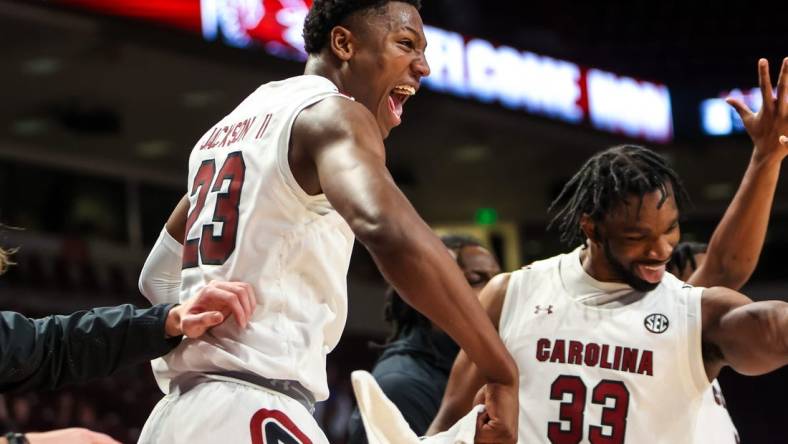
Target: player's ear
341	43
589	228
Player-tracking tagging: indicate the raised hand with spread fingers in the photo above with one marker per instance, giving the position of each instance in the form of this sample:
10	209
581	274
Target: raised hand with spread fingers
768	127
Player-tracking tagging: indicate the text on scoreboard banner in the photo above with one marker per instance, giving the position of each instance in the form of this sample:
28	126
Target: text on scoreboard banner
466	67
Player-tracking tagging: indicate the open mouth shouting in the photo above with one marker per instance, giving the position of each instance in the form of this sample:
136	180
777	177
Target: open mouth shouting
397	98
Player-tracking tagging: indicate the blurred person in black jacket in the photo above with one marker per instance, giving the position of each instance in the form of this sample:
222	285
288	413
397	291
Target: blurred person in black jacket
51	352
417	358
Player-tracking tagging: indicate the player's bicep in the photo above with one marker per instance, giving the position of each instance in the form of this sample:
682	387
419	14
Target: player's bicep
355	181
751	337
345	145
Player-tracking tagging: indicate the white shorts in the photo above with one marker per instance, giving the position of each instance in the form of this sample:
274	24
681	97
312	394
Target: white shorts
222	411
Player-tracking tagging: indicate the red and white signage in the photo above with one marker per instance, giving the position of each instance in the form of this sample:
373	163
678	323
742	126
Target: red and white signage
547	86
467	67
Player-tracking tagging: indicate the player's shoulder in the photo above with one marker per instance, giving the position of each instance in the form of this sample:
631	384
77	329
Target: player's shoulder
333	109
720	300
333	116
300	85
499	284
493	295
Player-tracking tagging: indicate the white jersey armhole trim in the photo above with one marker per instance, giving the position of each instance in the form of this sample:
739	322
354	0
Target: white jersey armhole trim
283	150
507	309
697	368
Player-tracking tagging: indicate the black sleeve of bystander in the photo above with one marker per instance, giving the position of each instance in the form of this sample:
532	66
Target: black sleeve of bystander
47	353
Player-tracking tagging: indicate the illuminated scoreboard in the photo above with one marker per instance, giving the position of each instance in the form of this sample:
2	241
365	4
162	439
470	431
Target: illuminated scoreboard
467	67
547	86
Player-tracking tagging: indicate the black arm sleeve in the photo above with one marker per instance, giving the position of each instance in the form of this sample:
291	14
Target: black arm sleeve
47	353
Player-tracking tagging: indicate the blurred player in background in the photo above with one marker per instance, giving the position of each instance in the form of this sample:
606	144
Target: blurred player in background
414	367
277	191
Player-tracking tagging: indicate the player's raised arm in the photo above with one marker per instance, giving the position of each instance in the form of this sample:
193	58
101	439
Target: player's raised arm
345	145
751	337
465	380
737	241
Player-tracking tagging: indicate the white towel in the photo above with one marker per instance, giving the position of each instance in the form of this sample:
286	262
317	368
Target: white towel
384	422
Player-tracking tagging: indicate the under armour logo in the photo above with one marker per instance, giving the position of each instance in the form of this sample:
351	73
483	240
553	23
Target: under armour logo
548	309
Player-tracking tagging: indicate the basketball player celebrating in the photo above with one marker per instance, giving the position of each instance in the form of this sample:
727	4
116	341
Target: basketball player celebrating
278	189
610	347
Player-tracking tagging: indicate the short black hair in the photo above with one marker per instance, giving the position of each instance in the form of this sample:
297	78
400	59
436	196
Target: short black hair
402	316
326	14
606	180
683	254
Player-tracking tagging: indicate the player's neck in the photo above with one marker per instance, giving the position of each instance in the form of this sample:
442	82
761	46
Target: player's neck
596	264
317	65
610	297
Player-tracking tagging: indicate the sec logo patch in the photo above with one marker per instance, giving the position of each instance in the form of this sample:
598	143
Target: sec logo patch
656	323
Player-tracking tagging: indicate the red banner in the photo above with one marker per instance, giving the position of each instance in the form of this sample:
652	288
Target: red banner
276	25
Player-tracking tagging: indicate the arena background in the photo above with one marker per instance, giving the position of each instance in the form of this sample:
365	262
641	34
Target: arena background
102	101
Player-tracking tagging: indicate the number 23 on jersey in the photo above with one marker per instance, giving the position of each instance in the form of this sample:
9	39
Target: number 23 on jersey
209	247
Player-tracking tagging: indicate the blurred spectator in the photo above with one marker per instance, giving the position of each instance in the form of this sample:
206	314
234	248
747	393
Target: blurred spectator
414	367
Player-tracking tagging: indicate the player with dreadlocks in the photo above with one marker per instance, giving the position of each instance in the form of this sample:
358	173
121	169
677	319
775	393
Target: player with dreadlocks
279	189
609	346
599	188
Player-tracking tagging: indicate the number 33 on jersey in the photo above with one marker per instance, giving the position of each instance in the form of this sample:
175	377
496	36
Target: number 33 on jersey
630	373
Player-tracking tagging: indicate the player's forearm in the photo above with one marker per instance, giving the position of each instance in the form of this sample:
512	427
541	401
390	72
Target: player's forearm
358	185
417	264
738	240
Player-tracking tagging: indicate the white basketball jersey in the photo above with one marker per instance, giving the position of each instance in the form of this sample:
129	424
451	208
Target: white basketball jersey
630	374
714	422
250	221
